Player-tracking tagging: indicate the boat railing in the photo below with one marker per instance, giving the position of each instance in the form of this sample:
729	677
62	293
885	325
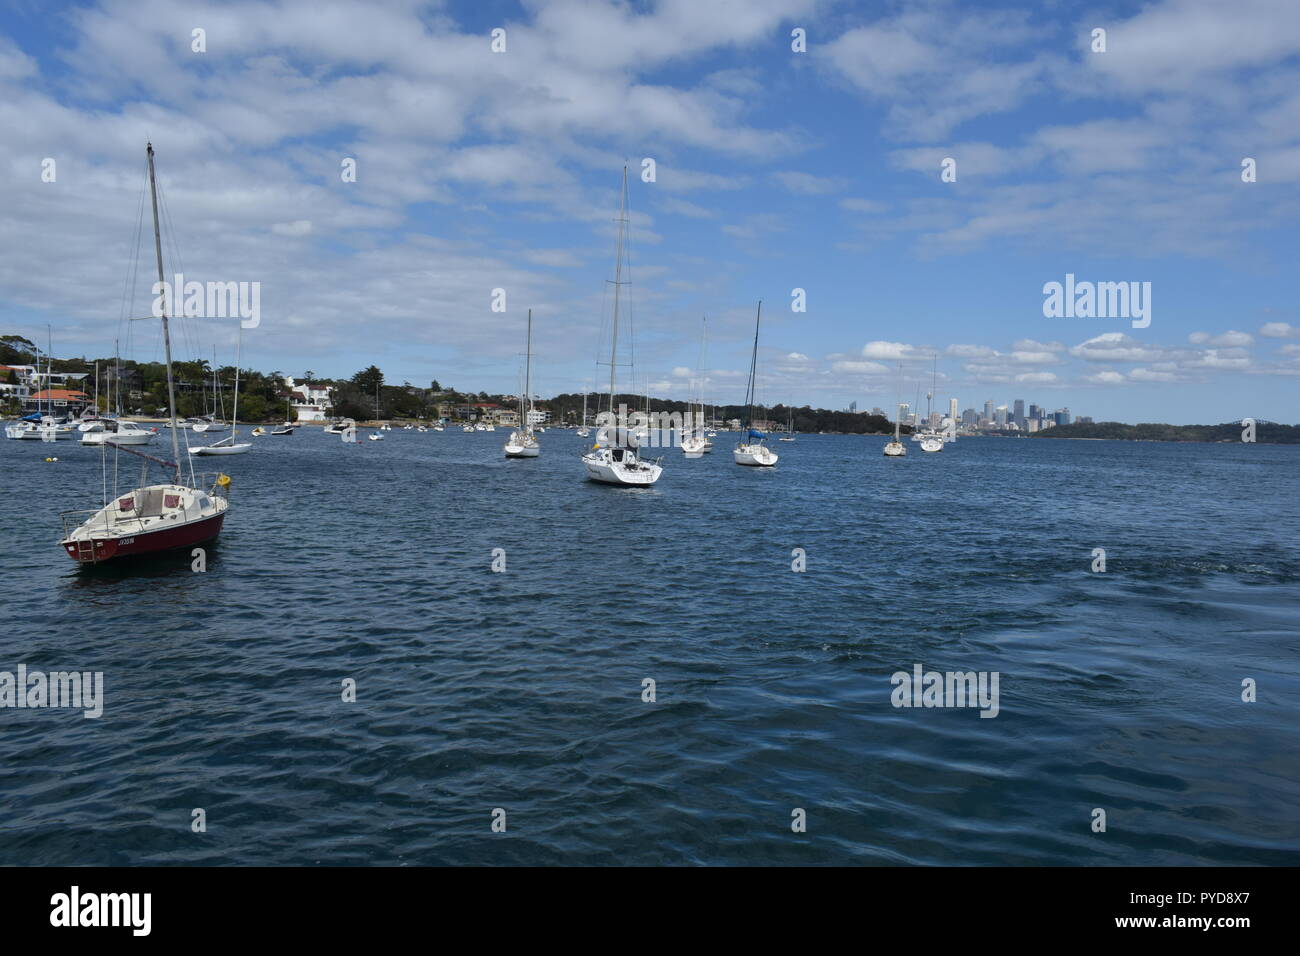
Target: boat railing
72	520
210	482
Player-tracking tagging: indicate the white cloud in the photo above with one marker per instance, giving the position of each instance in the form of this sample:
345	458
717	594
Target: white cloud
859	368
1227	339
1278	330
887	350
1221	359
299	227
970	351
1030	345
868	206
1148	375
1115	347
936	68
807	184
1107	377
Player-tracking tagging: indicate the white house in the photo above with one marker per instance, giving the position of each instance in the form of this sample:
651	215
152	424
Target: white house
310	402
21	387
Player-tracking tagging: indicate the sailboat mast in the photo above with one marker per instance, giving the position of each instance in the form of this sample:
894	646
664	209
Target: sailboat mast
699	372
618	286
526	405
930	394
234	415
753	365
167	340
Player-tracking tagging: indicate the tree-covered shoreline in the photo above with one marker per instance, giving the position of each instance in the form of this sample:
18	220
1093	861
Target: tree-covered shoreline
1265	432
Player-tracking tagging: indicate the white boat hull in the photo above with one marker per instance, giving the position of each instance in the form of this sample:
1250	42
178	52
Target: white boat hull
239	448
628	471
895	449
30	431
522	445
932	444
118	438
756	455
694	446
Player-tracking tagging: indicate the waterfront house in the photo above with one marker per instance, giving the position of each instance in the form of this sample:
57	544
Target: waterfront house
310	401
57	402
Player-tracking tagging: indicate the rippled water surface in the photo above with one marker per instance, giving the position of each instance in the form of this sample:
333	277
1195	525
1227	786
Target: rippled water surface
523	690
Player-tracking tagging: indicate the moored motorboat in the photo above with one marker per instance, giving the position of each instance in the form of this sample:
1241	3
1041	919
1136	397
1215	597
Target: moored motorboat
117	432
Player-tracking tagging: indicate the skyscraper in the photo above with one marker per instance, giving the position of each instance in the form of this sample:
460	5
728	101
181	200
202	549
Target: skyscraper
1000	416
952	410
988	409
1019	412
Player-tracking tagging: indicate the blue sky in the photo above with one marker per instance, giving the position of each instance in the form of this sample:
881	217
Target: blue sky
776	170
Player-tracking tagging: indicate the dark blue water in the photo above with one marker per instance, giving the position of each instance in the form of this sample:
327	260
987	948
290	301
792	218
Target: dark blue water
523	690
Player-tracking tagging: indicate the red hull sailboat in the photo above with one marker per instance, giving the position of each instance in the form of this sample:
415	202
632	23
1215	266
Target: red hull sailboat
150	519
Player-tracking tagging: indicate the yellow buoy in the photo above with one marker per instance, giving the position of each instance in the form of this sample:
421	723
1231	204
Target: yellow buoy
223	480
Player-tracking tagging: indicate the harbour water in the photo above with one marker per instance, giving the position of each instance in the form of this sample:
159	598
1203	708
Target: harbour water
523	689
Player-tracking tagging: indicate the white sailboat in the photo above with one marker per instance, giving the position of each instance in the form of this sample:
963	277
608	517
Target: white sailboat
895	448
288	426
583	430
42	426
694	444
114	429
618	461
522	442
378	435
931	441
230	445
789	428
752	450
